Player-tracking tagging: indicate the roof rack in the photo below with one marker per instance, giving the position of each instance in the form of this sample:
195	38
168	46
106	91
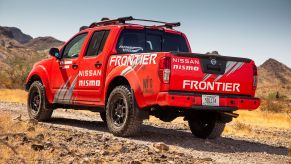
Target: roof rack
122	20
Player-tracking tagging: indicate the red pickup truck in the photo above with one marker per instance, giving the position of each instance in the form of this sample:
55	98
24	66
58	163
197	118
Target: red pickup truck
129	71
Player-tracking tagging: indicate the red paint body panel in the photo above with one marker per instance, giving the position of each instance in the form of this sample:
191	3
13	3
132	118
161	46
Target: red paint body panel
67	85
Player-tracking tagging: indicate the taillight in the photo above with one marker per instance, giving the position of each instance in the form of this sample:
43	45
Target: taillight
165	69
255	77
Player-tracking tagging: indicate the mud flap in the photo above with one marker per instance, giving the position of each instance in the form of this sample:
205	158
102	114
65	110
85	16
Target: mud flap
142	114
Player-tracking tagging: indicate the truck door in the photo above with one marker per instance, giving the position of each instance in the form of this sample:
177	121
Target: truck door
63	76
92	69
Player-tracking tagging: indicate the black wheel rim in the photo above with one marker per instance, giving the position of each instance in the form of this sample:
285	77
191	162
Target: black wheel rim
204	124
35	101
118	111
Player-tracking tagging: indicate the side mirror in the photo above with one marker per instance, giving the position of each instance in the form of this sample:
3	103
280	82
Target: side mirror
55	53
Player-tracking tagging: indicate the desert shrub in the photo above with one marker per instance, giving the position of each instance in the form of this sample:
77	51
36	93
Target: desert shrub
239	126
276	96
272	106
17	68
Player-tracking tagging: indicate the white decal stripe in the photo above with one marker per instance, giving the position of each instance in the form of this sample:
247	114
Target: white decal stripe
60	93
68	62
66	67
229	65
126	70
238	65
218	77
206	77
69	93
139	68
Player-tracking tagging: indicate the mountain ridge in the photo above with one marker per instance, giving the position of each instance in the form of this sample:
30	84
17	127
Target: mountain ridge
15	33
25	40
274	73
43	43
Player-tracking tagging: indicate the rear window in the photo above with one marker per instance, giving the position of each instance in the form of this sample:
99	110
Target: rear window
140	41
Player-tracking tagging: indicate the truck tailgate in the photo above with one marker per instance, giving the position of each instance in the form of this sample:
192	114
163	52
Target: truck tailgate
211	74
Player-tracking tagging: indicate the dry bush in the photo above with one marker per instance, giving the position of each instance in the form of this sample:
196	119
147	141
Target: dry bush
272	106
239	126
276	96
17	68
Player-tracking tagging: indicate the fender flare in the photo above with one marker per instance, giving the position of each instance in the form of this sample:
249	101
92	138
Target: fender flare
132	79
42	73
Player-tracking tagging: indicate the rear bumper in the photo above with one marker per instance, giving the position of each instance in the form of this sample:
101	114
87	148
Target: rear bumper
194	101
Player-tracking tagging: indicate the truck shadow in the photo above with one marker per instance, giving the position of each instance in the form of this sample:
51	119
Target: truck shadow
180	138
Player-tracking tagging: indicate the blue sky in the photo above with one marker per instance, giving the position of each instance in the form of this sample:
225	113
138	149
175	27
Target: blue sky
257	29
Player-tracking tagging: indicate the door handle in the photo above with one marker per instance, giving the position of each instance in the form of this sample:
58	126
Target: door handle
74	66
98	65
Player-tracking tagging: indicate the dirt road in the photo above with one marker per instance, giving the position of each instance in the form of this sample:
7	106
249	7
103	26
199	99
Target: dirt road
88	129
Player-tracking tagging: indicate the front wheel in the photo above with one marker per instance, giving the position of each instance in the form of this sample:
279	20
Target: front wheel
121	113
37	104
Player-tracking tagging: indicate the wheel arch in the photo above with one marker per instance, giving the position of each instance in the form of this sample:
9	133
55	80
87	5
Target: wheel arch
118	80
131	81
33	78
40	74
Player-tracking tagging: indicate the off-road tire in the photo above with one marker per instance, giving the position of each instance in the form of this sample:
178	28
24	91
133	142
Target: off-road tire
132	122
202	127
42	111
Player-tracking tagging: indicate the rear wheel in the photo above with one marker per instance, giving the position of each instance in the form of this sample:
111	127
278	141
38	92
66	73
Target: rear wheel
37	104
206	126
121	113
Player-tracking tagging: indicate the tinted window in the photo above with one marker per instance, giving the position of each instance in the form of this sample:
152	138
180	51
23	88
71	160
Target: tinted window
131	41
138	41
73	48
174	42
97	43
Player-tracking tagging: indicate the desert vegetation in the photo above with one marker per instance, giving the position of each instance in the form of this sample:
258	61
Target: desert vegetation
15	69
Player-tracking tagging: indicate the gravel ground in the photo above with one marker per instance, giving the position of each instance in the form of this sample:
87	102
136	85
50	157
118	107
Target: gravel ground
149	145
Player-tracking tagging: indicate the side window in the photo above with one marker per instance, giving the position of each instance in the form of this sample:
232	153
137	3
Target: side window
131	41
73	48
97	43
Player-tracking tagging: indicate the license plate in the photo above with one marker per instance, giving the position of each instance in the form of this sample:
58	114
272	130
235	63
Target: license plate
210	100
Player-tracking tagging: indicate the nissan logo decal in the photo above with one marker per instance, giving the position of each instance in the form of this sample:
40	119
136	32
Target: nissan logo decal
213	61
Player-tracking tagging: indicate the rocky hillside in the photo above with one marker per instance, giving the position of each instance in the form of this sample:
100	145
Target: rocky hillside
15	36
274	73
15	33
20	51
43	43
274	80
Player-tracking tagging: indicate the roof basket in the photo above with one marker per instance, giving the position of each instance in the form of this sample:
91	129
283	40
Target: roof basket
122	20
